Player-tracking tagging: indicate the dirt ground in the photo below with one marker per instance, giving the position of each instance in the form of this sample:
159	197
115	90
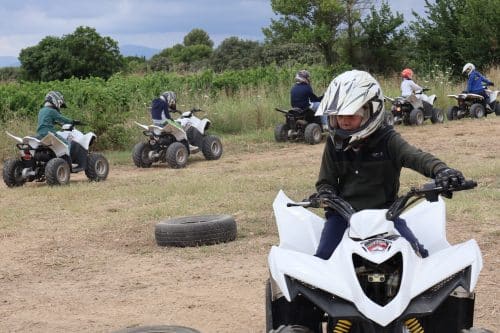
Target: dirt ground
56	277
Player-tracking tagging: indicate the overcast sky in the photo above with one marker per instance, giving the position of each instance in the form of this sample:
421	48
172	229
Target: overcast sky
152	23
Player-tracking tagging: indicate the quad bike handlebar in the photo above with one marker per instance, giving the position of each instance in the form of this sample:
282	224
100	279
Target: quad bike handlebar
429	191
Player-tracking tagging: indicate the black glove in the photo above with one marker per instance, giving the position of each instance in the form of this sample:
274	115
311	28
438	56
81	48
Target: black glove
325	193
491	84
449	177
77	122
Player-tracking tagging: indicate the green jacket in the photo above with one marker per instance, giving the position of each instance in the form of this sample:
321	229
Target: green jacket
369	178
47	118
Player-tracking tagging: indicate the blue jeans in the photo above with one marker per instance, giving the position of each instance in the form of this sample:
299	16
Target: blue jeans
334	229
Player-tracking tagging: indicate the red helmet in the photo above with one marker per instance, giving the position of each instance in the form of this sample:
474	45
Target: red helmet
407	73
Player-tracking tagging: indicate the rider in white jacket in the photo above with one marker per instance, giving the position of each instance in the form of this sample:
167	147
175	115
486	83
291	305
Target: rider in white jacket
410	88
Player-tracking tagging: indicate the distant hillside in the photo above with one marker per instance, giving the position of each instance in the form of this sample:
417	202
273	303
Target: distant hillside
6	61
137	50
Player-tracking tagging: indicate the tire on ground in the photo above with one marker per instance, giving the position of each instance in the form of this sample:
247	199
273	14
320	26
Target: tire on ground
497	108
57	172
12	173
195	230
177	155
452	113
476	330
312	134
158	329
97	167
281	132
292	329
477	110
416	117
437	116
211	147
140	155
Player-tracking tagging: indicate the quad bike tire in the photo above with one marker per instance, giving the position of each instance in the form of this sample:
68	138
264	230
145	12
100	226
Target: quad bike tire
416	117
476	330
477	111
195	230
140	155
211	147
452	113
312	134
12	173
497	108
57	172
389	119
281	132
158	329
437	116
177	155
291	329
97	167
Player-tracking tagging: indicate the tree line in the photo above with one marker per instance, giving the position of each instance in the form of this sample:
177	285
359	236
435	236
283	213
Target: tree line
334	33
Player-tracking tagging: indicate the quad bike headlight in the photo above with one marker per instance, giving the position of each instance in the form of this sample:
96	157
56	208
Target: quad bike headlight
380	282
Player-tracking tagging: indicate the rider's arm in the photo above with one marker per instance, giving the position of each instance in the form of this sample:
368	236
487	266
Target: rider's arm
411	157
415	87
59	118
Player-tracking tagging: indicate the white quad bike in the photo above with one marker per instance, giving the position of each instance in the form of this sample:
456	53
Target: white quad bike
414	109
175	141
374	281
51	160
472	105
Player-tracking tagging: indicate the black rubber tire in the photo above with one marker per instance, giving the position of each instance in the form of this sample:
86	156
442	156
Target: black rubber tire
268	306
312	134
292	329
497	108
389	118
211	147
12	173
437	116
416	117
97	167
195	230
477	111
57	172
140	155
177	155
158	329
476	330
281	132
452	113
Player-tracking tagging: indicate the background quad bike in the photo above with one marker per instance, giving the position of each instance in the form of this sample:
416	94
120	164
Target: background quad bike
406	113
299	125
174	147
40	162
472	105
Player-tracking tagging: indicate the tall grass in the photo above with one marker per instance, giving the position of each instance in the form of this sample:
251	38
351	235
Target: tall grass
235	103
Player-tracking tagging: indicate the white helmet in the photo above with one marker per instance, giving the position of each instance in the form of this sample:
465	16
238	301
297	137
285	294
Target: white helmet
353	93
468	68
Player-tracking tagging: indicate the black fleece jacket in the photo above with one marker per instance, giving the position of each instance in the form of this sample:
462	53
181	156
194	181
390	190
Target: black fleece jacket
368	178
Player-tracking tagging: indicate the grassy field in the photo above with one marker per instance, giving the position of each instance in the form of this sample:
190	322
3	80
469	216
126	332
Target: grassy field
83	258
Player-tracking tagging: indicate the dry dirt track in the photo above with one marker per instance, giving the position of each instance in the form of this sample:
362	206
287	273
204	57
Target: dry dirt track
56	277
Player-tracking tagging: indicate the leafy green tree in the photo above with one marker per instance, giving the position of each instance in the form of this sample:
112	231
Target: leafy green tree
290	54
198	37
235	53
81	54
383	44
458	31
311	22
